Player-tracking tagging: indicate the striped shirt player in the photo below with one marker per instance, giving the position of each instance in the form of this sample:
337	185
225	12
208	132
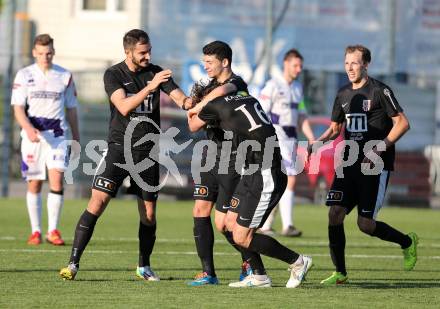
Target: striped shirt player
282	99
45	98
284	104
44	101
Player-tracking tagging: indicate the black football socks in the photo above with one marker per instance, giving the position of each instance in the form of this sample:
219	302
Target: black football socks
336	237
269	246
83	233
204	239
147	238
388	233
253	258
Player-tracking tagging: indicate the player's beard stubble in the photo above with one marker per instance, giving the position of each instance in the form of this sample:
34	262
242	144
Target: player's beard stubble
139	63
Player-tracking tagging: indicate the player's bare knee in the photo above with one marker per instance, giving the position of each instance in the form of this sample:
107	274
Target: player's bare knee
149	221
34	186
220	226
57	188
240	239
366	225
336	215
220	221
202	208
200	211
98	201
230	223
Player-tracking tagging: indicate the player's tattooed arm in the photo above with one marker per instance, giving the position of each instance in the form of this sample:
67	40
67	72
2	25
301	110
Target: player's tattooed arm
126	104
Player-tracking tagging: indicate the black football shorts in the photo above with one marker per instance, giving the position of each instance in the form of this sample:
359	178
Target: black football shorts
355	188
112	176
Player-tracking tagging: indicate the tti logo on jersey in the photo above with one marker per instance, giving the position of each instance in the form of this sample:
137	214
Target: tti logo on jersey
105	184
356	122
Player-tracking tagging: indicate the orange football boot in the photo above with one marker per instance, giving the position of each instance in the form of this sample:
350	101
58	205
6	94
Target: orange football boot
54	237
34	239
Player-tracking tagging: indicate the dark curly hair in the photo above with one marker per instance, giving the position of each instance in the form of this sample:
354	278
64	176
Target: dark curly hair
200	90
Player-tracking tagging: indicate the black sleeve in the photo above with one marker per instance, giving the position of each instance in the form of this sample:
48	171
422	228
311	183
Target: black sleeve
388	101
238	82
111	82
167	86
209	114
338	114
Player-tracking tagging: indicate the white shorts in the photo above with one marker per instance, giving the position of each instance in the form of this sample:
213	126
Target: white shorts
36	157
288	152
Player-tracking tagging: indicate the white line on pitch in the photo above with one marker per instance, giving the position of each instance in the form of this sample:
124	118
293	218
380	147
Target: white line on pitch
61	251
221	241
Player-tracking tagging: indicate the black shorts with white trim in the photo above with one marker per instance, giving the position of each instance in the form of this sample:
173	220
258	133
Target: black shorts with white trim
356	189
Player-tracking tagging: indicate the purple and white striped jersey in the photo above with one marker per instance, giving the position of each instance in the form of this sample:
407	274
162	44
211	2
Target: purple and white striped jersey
283	103
45	97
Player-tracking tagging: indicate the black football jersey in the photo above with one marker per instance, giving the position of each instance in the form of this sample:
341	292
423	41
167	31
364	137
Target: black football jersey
241	114
215	132
119	76
367	113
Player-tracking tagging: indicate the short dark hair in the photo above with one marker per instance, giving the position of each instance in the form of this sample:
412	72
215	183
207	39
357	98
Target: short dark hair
219	49
366	54
134	36
292	53
43	39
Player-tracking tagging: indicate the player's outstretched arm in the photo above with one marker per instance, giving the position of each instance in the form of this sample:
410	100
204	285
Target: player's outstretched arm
179	97
215	93
25	124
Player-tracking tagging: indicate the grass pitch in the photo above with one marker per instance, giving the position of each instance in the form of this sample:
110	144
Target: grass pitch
29	275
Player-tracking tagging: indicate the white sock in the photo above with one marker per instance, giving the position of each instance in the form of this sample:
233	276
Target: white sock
286	208
270	219
54	206
33	202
